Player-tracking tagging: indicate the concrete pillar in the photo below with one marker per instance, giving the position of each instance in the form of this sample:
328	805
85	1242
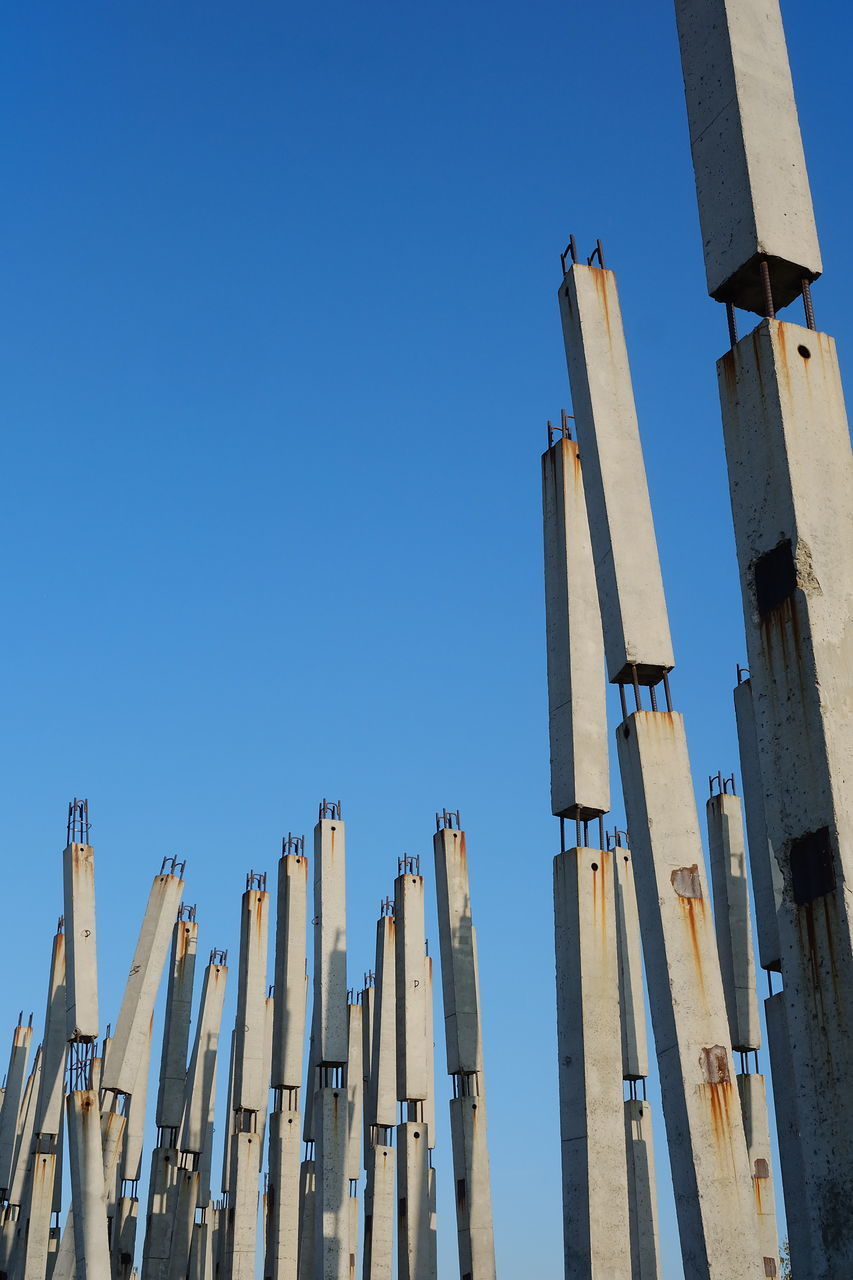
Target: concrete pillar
81	993
136	1108
307	1213
24	1135
15	1085
137	1006
415	1242
763	867
383	1078
642	1191
429	1101
411	988
355	1084
269	1019
368	995
176	1032
630	589
91	1247
48	1118
753	1100
282	1236
229	1112
200	1086
290	961
35	1247
201	1252
798	1221
331	1212
577	716
751	181
713	1188
330	938
378	1256
160	1219
251	1080
632	1005
731	919
787	442
123	1243
595	1199
243	1205
186	1198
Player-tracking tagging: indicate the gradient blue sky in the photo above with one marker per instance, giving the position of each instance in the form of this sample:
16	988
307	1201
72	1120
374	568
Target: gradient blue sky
278	344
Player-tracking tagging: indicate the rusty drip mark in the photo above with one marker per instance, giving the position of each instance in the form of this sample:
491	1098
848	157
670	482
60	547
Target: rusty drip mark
719	1096
756	1187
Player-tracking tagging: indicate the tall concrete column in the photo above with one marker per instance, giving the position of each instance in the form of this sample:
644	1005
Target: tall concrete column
764	869
713	1188
731	914
288	1048
464	1045
140	993
381	1109
16	1076
200	1085
355	1084
78	870
91	1247
176	1033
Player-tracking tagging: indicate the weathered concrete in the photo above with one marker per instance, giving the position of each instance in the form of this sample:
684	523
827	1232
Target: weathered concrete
763	867
15	1084
355	1084
791	485
731	919
475	1231
123	1243
201	1251
632	1005
307	1213
429	1101
34	1248
48	1118
282	1231
176	1032
186	1198
243	1205
797	1218
415	1242
456	935
229	1112
753	1101
25	1129
368	994
269	1019
136	1108
713	1188
81	991
330	942
91	1248
383	1076
160	1218
595	1198
290	960
751	181
378	1254
134	1019
577	715
630	590
200	1087
411	989
331	1211
642	1191
251	1080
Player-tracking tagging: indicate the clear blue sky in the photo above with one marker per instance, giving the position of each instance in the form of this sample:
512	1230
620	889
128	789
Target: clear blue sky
279	338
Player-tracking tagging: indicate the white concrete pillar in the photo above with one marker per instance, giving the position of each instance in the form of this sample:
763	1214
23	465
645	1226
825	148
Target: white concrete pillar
751	180
160	1219
429	1101
48	1118
269	1019
764	869
379	1215
290	961
243	1205
331	1211
123	1244
229	1112
473	1196
176	1032
791	485
200	1086
410	985
459	982
577	715
753	1101
91	1247
35	1251
632	1005
16	1076
81	991
201	1252
330	939
282	1235
595	1198
251	1082
136	1108
642	1191
137	1006
24	1135
186	1198
731	919
415	1242
383	1078
797	1218
713	1188
368	996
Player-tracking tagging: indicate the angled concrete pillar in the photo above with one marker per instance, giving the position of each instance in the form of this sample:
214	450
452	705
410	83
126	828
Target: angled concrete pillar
368	995
136	1109
415	1242
595	1197
16	1075
250	1084
751	180
186	1199
632	1005
35	1247
149	958
176	1032
753	1099
49	1107
731	919
383	1058
78	873
201	1253
160	1219
797	1218
229	1111
200	1086
123	1243
642	1191
763	867
26	1127
330	938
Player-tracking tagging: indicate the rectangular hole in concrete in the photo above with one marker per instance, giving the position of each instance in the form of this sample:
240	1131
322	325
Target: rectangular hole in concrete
812	867
775	577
